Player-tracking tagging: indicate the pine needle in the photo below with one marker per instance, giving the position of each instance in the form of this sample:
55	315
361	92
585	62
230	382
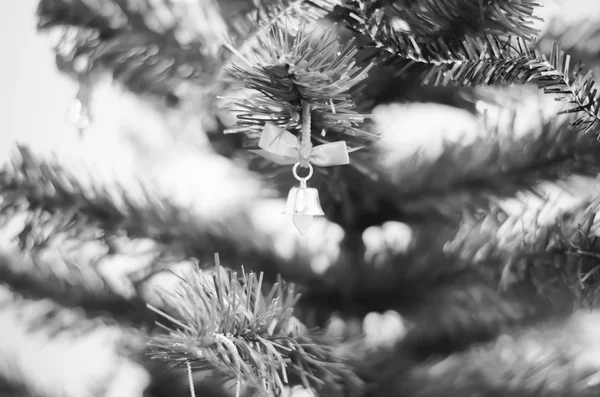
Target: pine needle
307	66
232	327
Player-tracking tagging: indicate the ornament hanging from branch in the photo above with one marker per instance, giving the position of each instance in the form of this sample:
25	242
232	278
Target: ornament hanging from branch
310	66
281	147
300	83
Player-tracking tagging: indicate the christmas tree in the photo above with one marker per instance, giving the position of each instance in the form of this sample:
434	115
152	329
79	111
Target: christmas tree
331	197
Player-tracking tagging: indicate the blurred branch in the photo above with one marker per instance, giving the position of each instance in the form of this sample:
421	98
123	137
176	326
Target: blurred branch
460	17
142	212
498	166
71	285
459	305
549	359
288	13
561	256
151	47
578	33
567	256
354	277
36	184
39	334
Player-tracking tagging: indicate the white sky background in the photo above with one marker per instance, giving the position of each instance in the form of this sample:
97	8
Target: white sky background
35	97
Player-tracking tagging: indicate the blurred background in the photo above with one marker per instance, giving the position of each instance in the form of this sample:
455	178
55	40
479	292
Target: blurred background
35	93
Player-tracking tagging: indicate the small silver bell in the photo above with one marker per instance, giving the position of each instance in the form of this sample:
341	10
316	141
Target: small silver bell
303	202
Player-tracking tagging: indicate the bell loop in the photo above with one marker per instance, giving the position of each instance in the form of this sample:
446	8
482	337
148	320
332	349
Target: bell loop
295	172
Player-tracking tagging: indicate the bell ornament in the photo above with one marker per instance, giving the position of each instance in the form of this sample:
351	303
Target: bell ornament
303	200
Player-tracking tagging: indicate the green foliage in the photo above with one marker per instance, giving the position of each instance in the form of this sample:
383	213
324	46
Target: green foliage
568	257
308	66
525	362
471	61
497	163
150	47
560	258
376	23
228	324
289	13
71	207
460	17
519	63
156	47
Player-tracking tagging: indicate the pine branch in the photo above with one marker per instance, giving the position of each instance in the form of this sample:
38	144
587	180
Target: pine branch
553	75
289	13
70	285
247	336
150	47
558	258
391	44
566	256
470	61
458	18
549	360
38	334
499	165
351	271
39	185
447	314
306	67
45	186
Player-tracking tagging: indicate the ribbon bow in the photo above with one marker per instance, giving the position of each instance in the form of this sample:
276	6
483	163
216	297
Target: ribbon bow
281	147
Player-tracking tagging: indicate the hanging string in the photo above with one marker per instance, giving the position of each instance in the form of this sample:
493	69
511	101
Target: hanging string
234	353
191	378
305	143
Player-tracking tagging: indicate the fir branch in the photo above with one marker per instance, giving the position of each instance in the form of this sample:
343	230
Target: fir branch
150	47
39	333
554	75
37	185
247	336
548	359
391	44
58	247
70	285
251	20
306	67
449	313
470	61
499	165
565	256
288	13
461	17
559	259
